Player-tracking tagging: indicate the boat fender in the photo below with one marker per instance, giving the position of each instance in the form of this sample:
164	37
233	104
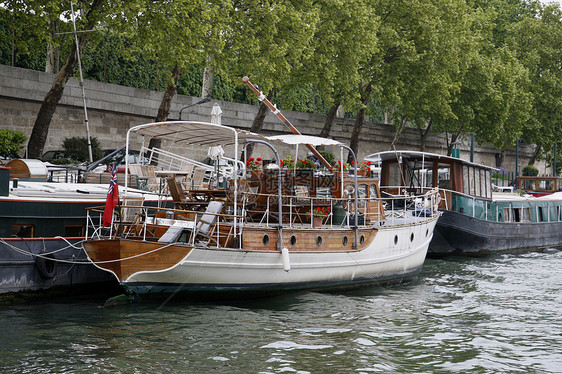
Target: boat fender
46	266
286	260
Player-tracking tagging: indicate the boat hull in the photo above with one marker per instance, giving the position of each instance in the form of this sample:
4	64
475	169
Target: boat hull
22	270
457	233
395	255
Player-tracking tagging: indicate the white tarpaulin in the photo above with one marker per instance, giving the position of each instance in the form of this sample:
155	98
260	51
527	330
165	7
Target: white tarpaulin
304	139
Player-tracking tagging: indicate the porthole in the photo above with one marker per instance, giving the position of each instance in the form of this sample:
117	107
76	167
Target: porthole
293	240
395	239
344	241
319	240
426	233
412	237
265	240
362	239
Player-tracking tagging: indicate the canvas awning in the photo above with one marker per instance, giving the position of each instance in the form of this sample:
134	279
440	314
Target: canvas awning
194	133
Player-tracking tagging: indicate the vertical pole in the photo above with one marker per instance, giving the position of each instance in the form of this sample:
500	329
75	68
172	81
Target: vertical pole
517	158
554	161
90	155
471	147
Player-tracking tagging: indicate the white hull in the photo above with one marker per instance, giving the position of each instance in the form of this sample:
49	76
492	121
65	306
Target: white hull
238	270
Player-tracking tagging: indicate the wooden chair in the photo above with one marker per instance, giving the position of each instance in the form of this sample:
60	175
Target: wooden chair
206	224
177	193
131	214
187	169
198	178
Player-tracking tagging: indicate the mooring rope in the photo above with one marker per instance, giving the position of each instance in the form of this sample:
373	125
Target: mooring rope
43	255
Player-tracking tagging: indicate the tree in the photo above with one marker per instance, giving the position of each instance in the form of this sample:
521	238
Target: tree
537	42
41	126
267	42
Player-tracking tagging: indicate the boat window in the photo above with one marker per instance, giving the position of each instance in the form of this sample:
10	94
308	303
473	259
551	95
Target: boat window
540	218
302	194
529	185
506	215
476	182
517	215
372	192
362	194
489	184
546	185
324	192
23	231
444	176
465	184
74	230
482	182
471	190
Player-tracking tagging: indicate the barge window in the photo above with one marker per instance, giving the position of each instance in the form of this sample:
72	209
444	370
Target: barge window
465	185
477	182
529	185
74	230
546	185
444	175
23	231
489	184
517	214
482	182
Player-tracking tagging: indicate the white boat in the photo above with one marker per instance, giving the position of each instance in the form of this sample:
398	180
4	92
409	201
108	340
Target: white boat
241	241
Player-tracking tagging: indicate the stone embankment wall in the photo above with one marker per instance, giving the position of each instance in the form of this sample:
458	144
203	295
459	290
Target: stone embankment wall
113	109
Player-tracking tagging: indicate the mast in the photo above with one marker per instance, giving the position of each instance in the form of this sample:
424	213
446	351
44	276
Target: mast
277	112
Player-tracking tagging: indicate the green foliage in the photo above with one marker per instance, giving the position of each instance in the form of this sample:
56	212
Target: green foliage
11	142
328	156
64	161
530	171
77	148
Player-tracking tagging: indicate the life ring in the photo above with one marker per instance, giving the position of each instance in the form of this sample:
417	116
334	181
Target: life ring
46	266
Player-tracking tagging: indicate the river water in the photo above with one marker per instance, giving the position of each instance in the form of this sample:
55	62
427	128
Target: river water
498	314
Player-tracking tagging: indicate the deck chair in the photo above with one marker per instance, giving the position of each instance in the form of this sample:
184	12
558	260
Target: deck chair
131	213
152	181
176	191
206	224
171	235
198	178
187	169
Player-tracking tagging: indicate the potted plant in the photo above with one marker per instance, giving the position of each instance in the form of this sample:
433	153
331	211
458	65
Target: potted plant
255	166
318	216
337	168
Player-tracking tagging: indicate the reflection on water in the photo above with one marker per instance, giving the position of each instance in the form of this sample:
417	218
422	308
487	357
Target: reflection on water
489	315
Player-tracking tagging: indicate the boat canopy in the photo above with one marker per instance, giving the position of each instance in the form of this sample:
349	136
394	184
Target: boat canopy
194	133
395	155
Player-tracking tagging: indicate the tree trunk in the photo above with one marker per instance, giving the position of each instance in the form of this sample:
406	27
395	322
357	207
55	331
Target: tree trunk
164	109
424	133
359	122
208	80
40	130
499	158
399	129
536	152
357	126
330	119
257	125
52	65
